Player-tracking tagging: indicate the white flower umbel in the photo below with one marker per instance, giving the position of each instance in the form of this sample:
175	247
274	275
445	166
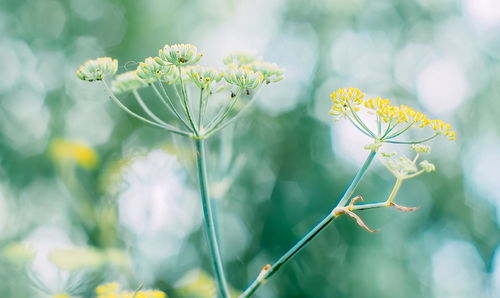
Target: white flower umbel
239	58
179	54
96	70
243	77
127	82
151	71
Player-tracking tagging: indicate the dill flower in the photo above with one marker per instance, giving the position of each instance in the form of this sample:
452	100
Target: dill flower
420	148
151	70
243	77
127	82
179	54
64	151
96	70
270	71
239	58
392	121
112	290
427	166
204	77
345	101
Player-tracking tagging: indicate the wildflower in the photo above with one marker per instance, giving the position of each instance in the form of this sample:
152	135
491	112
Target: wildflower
270	71
239	58
64	151
427	166
401	166
127	82
151	70
420	148
179	54
392	121
346	101
96	70
108	288
243	78
18	253
204	77
112	290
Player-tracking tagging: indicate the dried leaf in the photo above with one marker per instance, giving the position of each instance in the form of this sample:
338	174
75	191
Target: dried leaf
359	221
353	200
403	208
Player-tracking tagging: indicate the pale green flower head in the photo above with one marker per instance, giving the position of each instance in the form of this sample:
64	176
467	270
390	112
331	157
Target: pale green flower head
151	71
401	166
427	166
243	77
97	69
127	82
180	54
271	72
204	77
239	58
420	148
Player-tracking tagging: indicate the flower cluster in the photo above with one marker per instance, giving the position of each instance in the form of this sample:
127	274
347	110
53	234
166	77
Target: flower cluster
347	102
127	82
112	290
175	67
96	70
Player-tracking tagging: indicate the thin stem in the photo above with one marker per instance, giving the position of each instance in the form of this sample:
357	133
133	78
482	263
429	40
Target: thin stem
350	190
200	109
209	220
401	131
356	117
170	104
269	271
122	106
223	109
359	128
414	142
237	116
224	115
140	101
394	191
185	102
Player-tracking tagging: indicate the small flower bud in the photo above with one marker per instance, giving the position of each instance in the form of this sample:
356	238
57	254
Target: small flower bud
180	54
97	69
427	166
127	82
388	154
420	148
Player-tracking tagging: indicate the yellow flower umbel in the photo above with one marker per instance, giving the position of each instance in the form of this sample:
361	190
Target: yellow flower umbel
65	151
392	121
112	290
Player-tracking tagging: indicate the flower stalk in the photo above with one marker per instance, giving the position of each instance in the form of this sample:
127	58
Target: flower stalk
208	220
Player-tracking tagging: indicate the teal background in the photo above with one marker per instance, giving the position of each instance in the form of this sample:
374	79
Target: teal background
275	173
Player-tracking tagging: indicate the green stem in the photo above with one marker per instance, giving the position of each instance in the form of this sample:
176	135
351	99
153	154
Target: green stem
209	220
268	272
122	106
414	142
185	103
394	191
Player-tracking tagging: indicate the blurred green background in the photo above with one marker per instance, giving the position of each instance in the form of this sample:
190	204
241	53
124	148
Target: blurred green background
89	195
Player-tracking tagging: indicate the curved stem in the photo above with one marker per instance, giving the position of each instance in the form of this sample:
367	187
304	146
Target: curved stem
356	117
169	104
140	101
414	142
209	220
401	131
122	106
237	116
185	102
268	271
